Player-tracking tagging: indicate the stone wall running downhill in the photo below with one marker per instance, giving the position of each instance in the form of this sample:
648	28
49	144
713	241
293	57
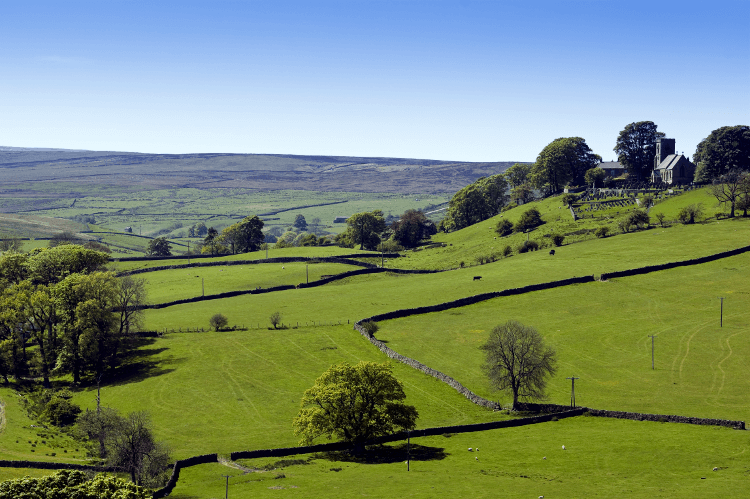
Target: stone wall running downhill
184	463
666	418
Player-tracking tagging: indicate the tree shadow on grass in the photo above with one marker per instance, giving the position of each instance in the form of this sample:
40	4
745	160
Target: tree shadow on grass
385	454
140	363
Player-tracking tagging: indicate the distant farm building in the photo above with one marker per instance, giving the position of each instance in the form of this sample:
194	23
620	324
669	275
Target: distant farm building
671	168
613	169
340	220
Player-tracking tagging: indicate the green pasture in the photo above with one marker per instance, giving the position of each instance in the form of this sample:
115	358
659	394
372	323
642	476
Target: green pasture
168	285
362	296
603	458
239	390
20	441
481	239
303	251
601	332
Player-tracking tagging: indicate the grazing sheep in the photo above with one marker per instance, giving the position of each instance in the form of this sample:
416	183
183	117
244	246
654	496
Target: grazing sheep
563	447
552	252
716	469
470	449
476	458
544	458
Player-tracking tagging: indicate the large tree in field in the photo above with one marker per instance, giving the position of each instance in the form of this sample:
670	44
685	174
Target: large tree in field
412	227
354	403
518	362
636	148
159	246
563	161
728	188
726	148
365	229
244	236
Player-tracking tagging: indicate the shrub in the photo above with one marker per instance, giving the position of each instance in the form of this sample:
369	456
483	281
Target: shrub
61	411
569	199
530	219
508	251
390	246
558	239
639	218
602	232
528	246
370	327
275	319
508	206
661	217
504	227
689	213
218	321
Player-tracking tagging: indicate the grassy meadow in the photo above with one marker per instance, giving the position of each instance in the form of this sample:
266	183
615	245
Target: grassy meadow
239	390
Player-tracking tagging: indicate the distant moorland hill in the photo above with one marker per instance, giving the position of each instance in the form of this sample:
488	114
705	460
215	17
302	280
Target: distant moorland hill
252	171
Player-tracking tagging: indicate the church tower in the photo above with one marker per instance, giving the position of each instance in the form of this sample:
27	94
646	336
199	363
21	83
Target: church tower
664	147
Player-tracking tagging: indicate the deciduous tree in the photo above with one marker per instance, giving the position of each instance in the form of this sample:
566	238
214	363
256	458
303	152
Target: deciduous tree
518	174
412	227
365	229
159	247
727	188
479	201
517	361
725	149
563	161
355	404
636	148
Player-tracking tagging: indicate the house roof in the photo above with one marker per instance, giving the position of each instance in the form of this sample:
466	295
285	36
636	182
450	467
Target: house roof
610	165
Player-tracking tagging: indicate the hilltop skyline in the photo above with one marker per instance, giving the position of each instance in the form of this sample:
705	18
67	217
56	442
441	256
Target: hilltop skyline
462	80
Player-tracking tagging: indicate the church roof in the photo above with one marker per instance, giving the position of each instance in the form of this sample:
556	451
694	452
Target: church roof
671	161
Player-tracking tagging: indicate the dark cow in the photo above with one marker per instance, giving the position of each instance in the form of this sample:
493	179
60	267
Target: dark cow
551	252
477	278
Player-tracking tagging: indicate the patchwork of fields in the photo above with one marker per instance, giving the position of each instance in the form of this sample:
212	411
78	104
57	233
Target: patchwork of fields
239	390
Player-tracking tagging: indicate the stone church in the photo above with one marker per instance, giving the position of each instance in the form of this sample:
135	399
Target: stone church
671	168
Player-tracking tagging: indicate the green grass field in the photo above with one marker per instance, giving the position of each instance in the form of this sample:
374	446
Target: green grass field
239	390
603	458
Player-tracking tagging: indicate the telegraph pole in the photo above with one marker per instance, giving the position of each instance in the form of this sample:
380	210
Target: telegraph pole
408	449
188	252
572	390
226	491
307	272
203	288
721	317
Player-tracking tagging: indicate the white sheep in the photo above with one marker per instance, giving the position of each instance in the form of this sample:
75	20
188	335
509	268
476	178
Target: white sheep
470	449
716	469
563	447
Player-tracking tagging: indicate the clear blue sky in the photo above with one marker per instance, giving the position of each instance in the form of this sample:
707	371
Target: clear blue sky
453	80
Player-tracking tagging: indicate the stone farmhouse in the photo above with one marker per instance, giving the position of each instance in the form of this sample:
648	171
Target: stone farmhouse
671	168
613	169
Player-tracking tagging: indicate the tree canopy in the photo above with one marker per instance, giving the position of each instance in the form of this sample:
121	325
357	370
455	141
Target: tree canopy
563	161
726	148
364	229
636	148
518	174
479	201
244	236
412	227
159	247
355	404
300	222
72	484
518	362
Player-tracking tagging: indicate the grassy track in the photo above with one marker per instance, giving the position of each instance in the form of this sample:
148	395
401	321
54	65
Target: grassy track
603	458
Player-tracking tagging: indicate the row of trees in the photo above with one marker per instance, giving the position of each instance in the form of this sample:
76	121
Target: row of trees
61	314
